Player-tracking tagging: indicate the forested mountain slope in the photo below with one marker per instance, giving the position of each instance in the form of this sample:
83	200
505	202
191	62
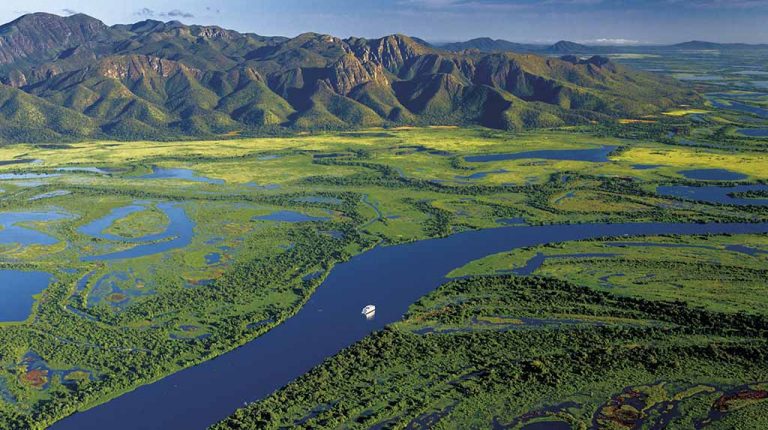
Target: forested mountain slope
75	77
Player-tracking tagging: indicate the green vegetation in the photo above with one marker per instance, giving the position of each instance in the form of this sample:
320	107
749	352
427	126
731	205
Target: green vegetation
576	343
507	351
139	224
722	273
79	79
667	332
129	321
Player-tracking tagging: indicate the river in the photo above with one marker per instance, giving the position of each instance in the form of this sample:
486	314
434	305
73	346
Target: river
391	277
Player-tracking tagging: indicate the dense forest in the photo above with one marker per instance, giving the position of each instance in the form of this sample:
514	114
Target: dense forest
485	351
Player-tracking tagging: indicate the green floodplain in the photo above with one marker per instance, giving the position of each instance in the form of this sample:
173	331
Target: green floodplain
163	255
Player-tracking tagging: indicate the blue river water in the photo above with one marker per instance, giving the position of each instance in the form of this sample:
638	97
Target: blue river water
178	173
16	289
288	216
713	175
595	155
715	194
12	232
179	233
754	132
646	166
96	228
535	262
391	277
739	107
481	175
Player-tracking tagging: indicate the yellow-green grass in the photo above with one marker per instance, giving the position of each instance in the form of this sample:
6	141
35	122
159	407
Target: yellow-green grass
389	210
595	201
139	224
684	112
656	272
635	121
748	163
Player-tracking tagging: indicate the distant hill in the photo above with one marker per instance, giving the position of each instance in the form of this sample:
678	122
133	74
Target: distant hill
486	44
697	44
75	77
566	47
700	45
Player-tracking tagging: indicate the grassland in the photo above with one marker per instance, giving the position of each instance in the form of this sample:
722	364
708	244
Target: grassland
684	112
720	273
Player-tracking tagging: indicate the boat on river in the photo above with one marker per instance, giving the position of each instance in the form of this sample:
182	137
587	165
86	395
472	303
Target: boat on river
369	310
260	367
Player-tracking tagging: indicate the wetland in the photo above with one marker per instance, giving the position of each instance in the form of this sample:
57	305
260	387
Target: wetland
523	279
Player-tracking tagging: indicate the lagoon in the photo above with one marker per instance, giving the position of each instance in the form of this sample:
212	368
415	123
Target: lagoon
178	173
594	155
740	107
481	175
713	175
288	216
178	234
17	288
715	194
12	232
754	132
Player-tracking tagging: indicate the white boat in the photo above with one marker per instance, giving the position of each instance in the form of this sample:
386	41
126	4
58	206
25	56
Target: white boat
369	310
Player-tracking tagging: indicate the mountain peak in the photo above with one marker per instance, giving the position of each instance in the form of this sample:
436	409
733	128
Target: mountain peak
166	79
45	18
39	37
566	46
391	51
487	44
414	44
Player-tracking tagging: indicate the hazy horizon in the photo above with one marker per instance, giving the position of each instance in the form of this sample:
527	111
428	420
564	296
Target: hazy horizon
585	21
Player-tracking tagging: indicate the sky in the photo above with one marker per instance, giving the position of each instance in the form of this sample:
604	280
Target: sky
542	21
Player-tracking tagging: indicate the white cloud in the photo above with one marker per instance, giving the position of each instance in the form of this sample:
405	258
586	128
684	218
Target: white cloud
175	13
612	41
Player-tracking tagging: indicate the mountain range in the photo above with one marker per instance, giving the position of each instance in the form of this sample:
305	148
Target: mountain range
77	78
486	44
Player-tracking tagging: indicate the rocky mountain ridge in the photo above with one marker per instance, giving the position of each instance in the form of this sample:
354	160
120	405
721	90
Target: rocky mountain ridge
169	80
